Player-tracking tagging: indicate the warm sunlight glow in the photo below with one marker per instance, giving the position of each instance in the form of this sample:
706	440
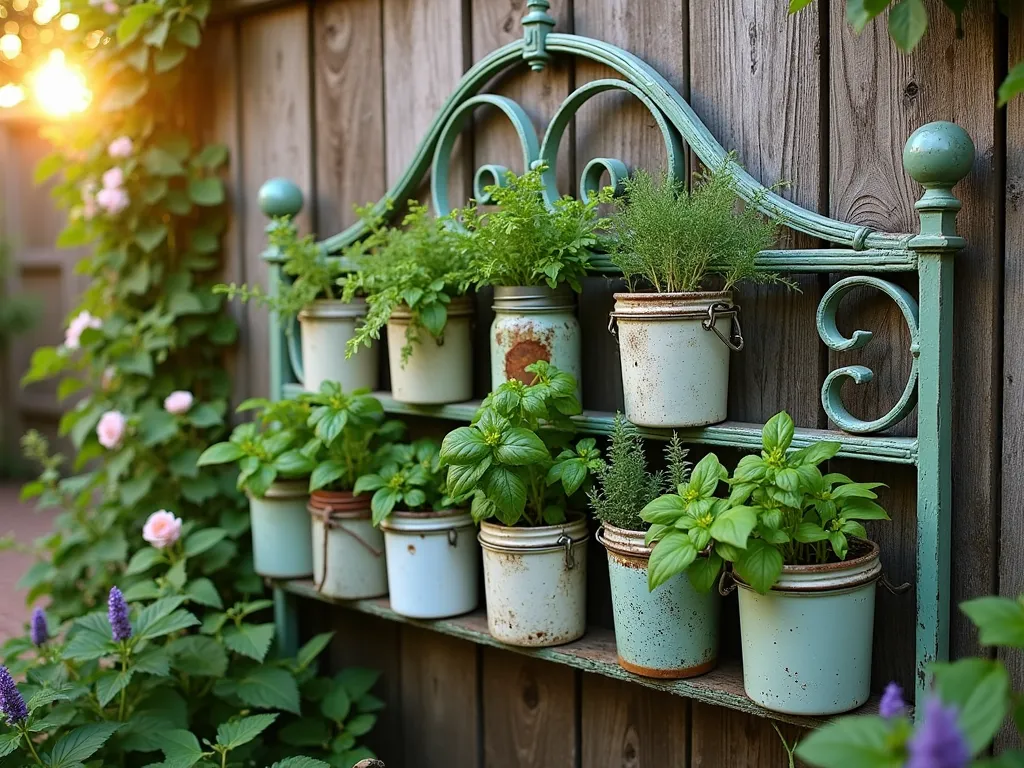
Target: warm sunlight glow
60	88
10	46
69	21
11	95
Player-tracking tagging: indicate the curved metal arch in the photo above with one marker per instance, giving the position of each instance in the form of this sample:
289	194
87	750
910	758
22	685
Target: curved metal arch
640	78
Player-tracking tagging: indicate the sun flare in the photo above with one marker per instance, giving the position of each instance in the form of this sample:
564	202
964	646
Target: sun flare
59	88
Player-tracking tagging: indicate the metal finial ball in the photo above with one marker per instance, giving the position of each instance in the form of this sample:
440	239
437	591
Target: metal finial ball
280	197
938	154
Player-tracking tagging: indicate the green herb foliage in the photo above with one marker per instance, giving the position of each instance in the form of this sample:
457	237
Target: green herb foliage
515	458
978	690
524	242
410	478
671	240
422	265
277	445
352	437
623	486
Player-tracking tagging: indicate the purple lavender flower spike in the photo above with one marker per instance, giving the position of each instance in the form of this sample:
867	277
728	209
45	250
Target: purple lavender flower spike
12	703
892	704
938	741
39	632
117	614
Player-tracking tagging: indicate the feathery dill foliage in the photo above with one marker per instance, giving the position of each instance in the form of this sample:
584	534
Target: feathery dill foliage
673	241
423	264
524	242
623	485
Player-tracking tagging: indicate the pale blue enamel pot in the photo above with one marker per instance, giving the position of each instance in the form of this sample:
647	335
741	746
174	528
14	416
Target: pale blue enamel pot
671	632
807	643
282	545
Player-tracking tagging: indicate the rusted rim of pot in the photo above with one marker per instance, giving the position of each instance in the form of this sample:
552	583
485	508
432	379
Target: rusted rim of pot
333	309
461	306
670	306
533	298
678	673
624	543
504	538
285	489
440	521
864	568
338	505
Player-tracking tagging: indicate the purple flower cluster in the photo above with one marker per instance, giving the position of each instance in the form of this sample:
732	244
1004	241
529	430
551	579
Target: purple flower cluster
39	632
938	741
892	704
117	614
12	703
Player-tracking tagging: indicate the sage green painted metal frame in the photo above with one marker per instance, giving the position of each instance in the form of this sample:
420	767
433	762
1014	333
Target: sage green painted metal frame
937	155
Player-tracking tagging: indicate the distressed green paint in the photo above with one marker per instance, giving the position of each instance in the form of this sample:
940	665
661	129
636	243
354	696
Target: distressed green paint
937	156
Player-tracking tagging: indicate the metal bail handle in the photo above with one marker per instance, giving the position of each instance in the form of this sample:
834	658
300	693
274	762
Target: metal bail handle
902	589
453	537
570	559
735	339
726	583
613	328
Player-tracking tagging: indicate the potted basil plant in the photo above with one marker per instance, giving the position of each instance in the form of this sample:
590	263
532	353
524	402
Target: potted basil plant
675	332
665	625
351	439
415	282
274	465
429	538
806	574
517	461
535	256
327	320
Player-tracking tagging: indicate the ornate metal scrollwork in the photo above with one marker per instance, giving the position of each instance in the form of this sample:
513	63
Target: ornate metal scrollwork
831	390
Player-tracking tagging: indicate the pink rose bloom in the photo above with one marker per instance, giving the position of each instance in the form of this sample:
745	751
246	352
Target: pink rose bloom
111	429
78	324
178	402
113	178
111	7
89	207
121	148
112	199
162	529
107	380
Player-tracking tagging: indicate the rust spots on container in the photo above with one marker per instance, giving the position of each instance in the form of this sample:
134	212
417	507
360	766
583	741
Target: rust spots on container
524	347
412	549
678	673
512	562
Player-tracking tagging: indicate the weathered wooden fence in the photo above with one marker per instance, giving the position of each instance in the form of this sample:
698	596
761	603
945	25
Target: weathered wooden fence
336	94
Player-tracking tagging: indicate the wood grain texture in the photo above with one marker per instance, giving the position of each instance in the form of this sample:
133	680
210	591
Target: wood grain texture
758	49
624	726
879	97
720	738
348	87
529	712
439	701
276	118
366	641
616	125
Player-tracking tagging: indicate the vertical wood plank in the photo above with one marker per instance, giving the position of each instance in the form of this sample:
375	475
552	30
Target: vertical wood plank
879	97
722	737
366	641
349	85
758	49
439	701
626	726
529	711
222	124
276	141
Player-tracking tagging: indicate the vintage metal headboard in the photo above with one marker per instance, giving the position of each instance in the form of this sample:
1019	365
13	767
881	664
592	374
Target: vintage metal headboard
937	155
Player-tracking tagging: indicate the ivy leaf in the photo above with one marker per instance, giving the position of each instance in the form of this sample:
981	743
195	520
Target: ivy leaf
206	192
160	162
81	744
252	640
908	21
234	735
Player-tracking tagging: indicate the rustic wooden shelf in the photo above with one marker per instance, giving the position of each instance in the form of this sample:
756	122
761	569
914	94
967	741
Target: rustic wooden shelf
595	653
732	434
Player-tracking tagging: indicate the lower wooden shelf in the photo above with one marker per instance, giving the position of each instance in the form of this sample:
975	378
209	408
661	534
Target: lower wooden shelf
594	652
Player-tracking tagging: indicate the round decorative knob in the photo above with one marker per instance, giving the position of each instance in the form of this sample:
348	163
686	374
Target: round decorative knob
280	197
938	154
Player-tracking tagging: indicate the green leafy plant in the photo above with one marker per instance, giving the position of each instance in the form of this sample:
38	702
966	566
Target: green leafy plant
422	266
908	21
623	486
278	444
410	478
672	240
351	436
515	458
956	723
524	242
